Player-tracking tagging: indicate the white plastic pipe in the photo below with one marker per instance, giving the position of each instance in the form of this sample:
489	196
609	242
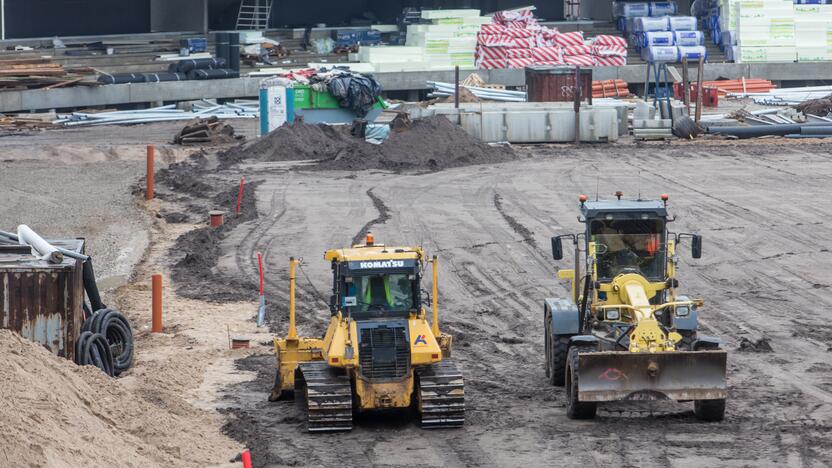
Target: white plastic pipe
40	248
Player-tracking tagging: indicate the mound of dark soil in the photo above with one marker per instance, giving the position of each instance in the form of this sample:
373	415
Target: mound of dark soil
429	144
186	176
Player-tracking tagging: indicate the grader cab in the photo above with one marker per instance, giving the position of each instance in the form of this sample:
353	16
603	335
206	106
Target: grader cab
626	333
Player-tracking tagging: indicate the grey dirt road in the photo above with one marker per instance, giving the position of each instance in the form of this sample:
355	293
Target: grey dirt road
764	214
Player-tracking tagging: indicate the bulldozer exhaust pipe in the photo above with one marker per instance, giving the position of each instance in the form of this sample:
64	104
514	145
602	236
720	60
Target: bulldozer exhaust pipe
293	331
434	297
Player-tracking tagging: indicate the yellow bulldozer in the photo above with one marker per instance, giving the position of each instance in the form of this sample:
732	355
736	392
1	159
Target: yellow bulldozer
379	350
626	333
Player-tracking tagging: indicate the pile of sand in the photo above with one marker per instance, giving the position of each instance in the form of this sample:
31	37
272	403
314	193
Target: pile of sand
430	144
54	413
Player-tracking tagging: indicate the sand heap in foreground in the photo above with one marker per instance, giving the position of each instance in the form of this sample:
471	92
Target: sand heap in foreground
54	413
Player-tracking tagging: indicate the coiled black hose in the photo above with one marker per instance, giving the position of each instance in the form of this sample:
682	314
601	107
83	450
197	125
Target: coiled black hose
93	349
114	328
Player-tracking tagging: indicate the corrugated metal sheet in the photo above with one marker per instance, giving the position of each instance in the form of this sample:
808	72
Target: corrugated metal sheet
42	301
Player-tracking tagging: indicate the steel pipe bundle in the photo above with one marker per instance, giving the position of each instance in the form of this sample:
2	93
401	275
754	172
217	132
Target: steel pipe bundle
447	89
206	109
787	96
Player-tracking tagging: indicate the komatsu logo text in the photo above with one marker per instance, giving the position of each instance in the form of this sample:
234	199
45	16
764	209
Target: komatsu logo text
382	264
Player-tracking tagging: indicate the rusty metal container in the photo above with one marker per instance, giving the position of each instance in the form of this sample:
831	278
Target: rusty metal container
40	300
552	83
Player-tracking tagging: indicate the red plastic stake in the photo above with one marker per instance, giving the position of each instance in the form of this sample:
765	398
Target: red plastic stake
260	264
151	156
246	455
240	195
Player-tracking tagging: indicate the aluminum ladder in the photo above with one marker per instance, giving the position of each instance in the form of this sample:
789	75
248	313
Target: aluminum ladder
254	14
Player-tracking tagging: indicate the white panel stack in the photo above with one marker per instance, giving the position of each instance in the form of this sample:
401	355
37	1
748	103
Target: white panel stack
813	32
765	31
449	40
393	58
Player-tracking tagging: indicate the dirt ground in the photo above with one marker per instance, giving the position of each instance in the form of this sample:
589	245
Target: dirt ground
760	206
764	274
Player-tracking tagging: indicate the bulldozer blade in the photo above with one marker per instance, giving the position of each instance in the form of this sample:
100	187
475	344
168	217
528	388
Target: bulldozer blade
674	375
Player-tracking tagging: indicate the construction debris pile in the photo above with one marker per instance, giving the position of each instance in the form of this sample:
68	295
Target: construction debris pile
430	144
821	106
37	72
210	130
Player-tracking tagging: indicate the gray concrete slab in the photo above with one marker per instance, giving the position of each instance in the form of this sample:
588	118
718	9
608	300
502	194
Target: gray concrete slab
16	101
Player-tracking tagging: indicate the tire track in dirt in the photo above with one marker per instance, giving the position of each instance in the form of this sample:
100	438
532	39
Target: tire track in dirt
383	216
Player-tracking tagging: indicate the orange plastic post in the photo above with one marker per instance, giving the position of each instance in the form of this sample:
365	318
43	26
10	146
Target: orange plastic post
246	456
150	171
156	326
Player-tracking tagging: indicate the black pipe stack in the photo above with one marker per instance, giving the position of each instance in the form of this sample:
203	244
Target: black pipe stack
221	39
234	51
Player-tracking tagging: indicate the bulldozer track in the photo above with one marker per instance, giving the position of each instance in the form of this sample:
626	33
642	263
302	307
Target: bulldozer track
328	398
441	396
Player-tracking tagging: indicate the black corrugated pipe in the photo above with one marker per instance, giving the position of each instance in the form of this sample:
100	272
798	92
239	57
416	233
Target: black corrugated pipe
90	286
115	328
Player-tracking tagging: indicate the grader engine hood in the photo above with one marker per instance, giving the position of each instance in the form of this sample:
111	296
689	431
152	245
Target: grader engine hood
676	375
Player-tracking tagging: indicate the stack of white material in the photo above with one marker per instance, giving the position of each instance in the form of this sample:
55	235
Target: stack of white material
813	32
393	58
766	31
448	41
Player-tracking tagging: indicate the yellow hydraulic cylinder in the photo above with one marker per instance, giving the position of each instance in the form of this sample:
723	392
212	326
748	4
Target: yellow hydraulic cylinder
435	297
293	332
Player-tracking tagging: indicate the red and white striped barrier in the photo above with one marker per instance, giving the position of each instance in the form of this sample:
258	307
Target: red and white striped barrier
609	50
578	50
565	39
610	61
506	16
492	28
519	62
519	53
608	40
490	64
547	54
582	60
516	40
518	32
491	52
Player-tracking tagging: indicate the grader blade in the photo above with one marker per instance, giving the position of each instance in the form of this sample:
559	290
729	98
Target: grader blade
674	375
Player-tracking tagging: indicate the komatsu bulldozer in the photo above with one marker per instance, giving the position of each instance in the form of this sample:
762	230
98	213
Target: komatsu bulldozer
626	333
379	350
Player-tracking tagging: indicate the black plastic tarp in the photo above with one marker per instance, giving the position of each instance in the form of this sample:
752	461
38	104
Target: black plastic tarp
354	91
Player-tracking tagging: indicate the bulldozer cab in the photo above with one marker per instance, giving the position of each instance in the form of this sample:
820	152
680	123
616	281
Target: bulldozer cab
377	289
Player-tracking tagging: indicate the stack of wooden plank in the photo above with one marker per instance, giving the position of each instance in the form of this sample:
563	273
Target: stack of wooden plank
40	72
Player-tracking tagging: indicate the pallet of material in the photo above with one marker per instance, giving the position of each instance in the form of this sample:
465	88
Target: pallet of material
40	72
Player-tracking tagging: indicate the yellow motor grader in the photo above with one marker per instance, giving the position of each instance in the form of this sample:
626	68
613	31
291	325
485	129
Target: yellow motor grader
625	333
379	350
